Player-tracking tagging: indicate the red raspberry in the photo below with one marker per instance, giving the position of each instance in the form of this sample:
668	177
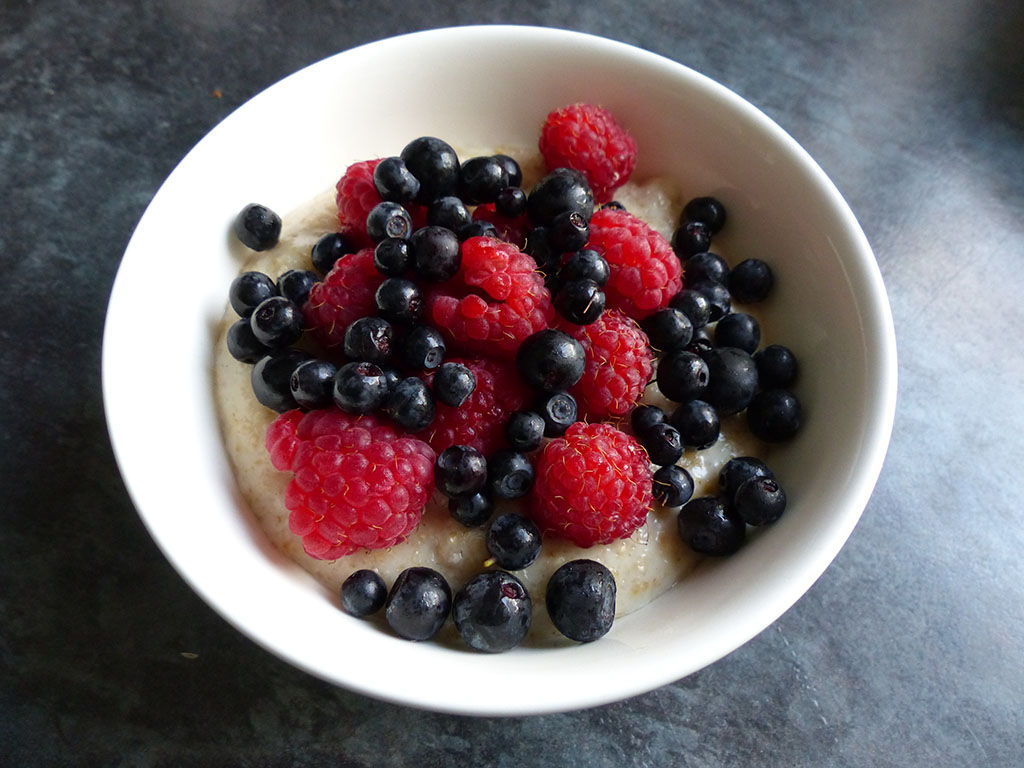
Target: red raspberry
345	295
588	138
356	195
645	271
619	363
357	484
593	486
495	301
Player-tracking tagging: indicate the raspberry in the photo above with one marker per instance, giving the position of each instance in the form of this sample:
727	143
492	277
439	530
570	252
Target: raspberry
645	272
510	230
356	195
357	484
588	138
593	486
345	295
480	421
619	363
494	302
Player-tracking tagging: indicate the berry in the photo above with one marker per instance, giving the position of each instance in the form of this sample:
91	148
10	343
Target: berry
481	179
492	612
257	227
694	305
644	273
410	404
512	169
698	424
331	247
593	485
453	383
739	469
435	164
673	486
478	228
242	343
560	191
525	431
707	211
776	367
388	220
774	415
295	284
359	387
423	348
399	300
356	195
510	202
418	604
732	380
719	299
392	257
682	375
551	360
668	329
751	280
510	475
705	266
663	443
394	182
691	238
369	339
580	301
513	541
589	139
345	295
740	330
460	471
363	593
568	231
435	253
645	417
271	379
449	212
249	290
760	500
559	412
312	384
710	526
580	599
585	264
471	511
276	322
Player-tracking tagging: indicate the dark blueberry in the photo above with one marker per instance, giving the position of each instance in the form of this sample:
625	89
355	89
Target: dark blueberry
513	541
512	170
391	376
363	593
667	329
559	412
492	612
719	299
249	290
585	264
271	379
690	238
732	380
694	305
509	475
706	210
479	228
294	285
740	330
360	387
701	345
580	301
449	212
453	383
663	443
580	599
614	205
569	231
276	322
710	526
751	280
399	300
460	470
539	248
775	415
329	248
760	500
525	431
698	424
644	417
682	375
410	404
561	190
312	384
739	469
243	344
435	253
551	360
510	202
435	164
418	603
776	366
370	339
672	486
481	179
423	348
392	257
705	266
257	227
388	220
394	182
471	511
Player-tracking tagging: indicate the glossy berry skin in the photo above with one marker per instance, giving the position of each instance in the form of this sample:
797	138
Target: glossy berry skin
510	202
694	305
668	329
242	343
568	231
732	380
312	384
276	322
481	179
423	348
580	599
751	280
580	301
706	210
739	469
410	404
363	593
460	471
257	227
525	431
672	486
691	238
708	525
644	417
513	541
294	285
418	603
399	300
392	256
471	511
435	164
492	612
560	191
249	290
740	330
359	387
510	475
776	367
453	383
370	339
718	296
663	443
551	360
388	220
698	424
585	264
435	253
394	182
478	228
559	412
682	375
331	247
271	379
512	169
760	500
775	415
449	212
705	266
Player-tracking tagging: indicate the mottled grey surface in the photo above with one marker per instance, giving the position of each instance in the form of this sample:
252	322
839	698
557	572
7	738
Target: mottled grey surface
907	652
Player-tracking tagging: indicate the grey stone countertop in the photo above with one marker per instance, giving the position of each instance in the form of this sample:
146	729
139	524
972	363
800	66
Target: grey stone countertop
907	652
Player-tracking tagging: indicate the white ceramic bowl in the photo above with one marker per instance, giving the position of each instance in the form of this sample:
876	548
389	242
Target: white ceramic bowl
476	86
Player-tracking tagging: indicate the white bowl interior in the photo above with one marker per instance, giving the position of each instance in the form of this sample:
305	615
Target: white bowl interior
295	139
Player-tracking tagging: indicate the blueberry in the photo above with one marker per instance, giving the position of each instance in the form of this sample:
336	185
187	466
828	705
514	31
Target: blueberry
710	526
672	485
435	253
276	322
774	415
329	248
312	384
585	264
751	280
682	375
580	599
394	182
739	469
538	246
392	257
732	380
453	383
294	285
249	290
423	348
614	205
706	210
701	345
510	202
363	593
580	301
481	179
359	387
740	330
667	329
391	376
243	344
478	228
663	443
705	266
561	190
644	417
257	227
551	360
776	367
410	404
449	212
559	412
388	220
760	500
399	300
525	431
698	424
471	511
512	170
513	541
492	612
460	470
435	164
510	475
569	231
369	339
690	238
271	379
719	299
694	305
418	603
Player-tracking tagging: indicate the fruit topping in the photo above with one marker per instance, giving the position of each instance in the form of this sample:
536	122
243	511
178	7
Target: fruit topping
513	541
257	227
580	599
363	593
418	603
492	612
